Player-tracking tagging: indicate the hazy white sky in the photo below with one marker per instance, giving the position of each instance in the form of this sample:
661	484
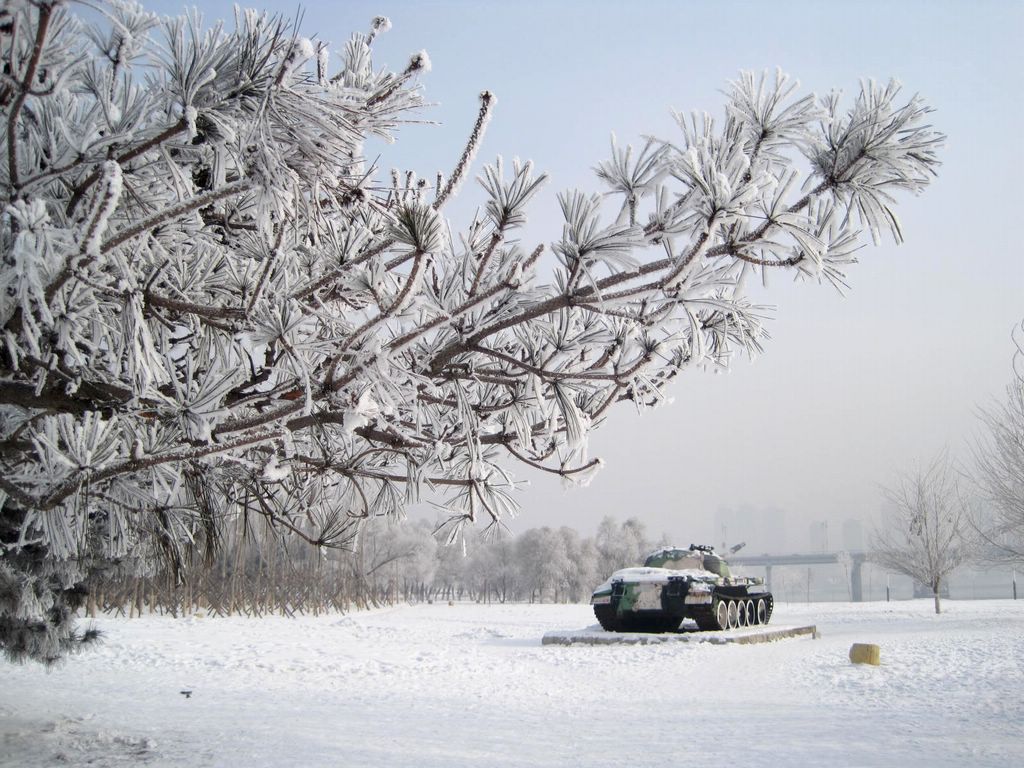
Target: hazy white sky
851	390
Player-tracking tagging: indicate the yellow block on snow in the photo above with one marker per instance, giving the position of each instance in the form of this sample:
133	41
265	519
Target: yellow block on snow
865	653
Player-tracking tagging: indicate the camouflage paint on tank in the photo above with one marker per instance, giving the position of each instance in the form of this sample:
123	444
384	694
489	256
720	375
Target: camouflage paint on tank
674	584
640	597
675	559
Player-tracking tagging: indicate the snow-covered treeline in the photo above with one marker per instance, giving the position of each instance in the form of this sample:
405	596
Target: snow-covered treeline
259	572
213	307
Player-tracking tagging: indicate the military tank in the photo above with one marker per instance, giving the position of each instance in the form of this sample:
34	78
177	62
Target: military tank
675	584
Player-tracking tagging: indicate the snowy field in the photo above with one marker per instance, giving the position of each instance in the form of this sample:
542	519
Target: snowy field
471	685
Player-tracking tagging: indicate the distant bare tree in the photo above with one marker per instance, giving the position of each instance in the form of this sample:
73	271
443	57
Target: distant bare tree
492	568
924	532
582	575
620	546
544	563
398	560
999	469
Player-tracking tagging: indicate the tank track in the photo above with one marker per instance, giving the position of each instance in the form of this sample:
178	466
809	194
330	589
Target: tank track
611	622
607	618
708	617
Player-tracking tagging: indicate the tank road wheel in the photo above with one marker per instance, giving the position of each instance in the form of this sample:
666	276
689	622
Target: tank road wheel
722	614
741	614
762	612
749	618
734	617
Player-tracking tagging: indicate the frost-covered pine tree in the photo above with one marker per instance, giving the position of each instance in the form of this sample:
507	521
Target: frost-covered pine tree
212	305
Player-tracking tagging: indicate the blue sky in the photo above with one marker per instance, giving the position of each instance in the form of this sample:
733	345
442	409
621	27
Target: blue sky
851	390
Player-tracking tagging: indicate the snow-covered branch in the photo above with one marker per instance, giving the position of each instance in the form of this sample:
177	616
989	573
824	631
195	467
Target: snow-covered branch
212	306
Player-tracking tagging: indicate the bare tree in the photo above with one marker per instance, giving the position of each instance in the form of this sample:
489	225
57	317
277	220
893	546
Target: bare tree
999	469
924	533
492	569
621	546
212	305
398	559
544	563
582	575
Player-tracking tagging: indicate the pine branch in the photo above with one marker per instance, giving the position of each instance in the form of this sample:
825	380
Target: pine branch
487	102
123	159
24	87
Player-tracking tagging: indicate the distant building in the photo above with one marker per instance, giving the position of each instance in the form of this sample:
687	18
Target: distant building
853	535
762	528
819	536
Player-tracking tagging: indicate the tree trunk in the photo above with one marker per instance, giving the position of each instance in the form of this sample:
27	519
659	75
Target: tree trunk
935	588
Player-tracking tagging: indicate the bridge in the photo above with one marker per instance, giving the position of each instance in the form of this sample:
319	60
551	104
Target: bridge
854	558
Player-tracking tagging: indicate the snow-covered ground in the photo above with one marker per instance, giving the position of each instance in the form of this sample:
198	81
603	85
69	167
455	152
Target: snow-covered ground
471	685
